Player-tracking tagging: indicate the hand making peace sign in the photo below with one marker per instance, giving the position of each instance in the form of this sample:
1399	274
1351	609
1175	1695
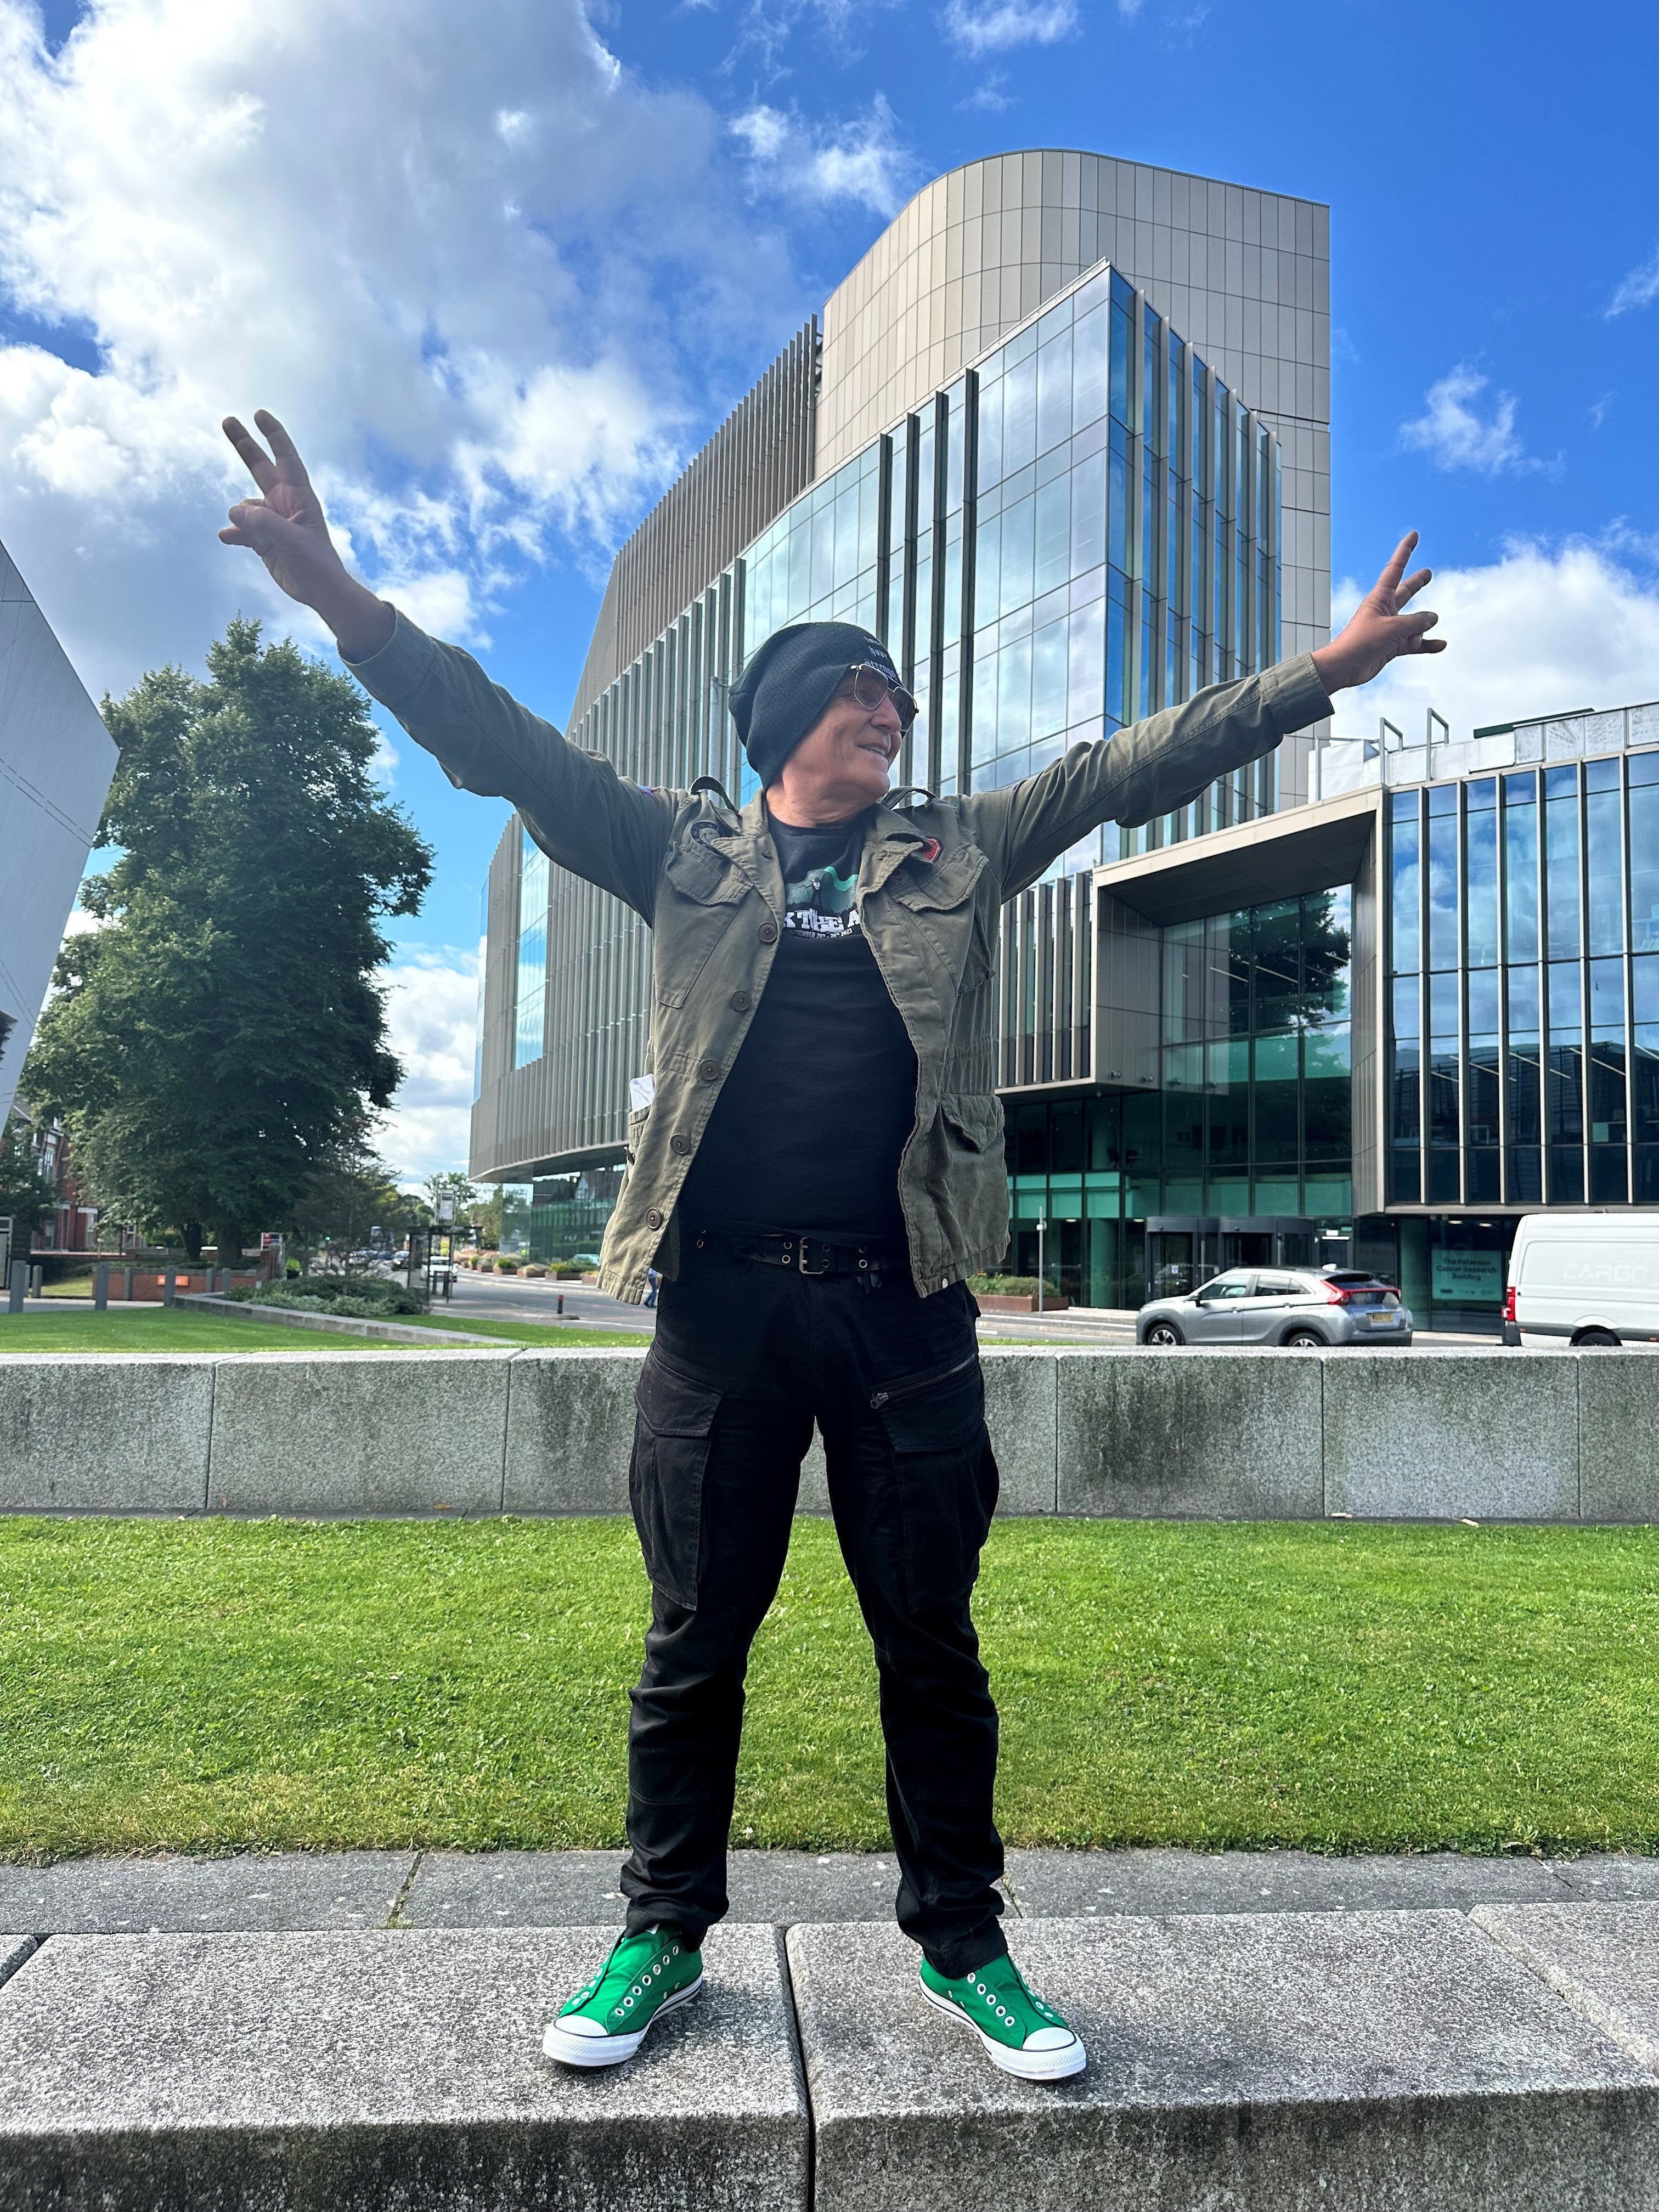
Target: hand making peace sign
286	528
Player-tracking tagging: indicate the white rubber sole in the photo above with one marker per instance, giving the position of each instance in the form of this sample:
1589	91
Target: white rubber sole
1057	2065
610	2050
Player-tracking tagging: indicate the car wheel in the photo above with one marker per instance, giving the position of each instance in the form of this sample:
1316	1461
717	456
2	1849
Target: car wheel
1596	1340
1304	1339
1164	1333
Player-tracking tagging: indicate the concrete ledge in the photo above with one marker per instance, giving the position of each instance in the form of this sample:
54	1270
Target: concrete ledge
1444	1435
1619	1435
1191	1435
399	2072
14	1949
570	1430
1602	1959
336	1433
1398	2062
109	1435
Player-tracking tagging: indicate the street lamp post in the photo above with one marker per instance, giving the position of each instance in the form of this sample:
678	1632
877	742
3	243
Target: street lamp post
1042	1232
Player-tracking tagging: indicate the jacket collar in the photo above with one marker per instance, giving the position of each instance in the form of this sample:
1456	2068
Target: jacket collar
891	838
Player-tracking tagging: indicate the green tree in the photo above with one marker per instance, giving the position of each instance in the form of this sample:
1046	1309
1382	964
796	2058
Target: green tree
351	1192
25	1194
215	1042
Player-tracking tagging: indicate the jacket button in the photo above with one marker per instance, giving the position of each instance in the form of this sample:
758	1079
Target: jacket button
740	1002
654	1219
707	1070
678	1144
768	933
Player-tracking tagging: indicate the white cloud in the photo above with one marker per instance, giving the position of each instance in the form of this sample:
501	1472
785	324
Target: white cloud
471	262
861	161
1453	433
1542	630
432	1004
1638	290
993	26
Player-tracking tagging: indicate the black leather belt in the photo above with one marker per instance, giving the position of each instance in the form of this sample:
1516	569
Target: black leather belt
801	1255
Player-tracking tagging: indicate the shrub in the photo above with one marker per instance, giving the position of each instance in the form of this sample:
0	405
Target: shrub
364	1298
1011	1286
506	1267
487	1265
535	1267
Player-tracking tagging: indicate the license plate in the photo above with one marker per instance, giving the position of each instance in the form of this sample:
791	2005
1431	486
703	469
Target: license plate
1381	1321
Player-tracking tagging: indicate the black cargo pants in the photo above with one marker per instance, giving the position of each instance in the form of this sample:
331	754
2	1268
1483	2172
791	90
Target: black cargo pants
746	1356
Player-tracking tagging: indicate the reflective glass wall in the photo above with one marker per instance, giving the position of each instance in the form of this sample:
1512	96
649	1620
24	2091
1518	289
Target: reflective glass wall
1523	987
1251	1122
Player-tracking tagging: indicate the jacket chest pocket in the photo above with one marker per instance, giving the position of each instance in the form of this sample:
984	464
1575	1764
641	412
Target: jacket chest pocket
697	901
948	904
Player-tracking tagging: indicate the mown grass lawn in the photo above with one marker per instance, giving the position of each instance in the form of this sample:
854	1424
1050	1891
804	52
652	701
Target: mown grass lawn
181	1328
219	1684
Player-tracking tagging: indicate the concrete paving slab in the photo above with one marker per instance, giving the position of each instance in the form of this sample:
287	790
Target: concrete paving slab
139	1896
1609	1877
570	1430
1397	2062
105	1432
1083	1885
1443	1436
559	1889
387	2072
1602	1959
14	1949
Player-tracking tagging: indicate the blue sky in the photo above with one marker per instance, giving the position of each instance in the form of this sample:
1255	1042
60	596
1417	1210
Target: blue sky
502	269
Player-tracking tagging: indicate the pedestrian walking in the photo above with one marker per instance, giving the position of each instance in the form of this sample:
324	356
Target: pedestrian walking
815	1170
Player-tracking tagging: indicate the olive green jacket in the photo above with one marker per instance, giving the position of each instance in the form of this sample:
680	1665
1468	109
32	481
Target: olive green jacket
933	881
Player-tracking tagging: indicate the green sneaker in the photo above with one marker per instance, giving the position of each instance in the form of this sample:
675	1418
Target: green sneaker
1020	2034
646	1976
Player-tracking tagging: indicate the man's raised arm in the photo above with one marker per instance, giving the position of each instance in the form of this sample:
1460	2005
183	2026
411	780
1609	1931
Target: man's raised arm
576	806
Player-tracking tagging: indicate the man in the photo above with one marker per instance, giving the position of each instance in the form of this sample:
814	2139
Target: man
816	1167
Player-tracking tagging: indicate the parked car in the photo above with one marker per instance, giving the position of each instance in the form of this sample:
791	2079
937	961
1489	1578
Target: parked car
1305	1307
1591	1278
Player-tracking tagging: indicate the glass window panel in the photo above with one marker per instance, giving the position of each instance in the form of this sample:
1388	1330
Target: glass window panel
1566	1177
1481	890
1326	946
1443	889
1121	332
1117	511
953	454
1053	392
1606	1099
984	744
1088	514
988	572
1050	671
1566	1002
1019	415
1604	870
1117	659
1443	994
1606	981
1644	988
952	624
1087	649
1088	362
1564	1093
532	997
1561	872
1230	1104
1151	390
987	466
1523	1078
1406	1090
1644	1087
1405	1176
1444	1125
1520	868
1014	696
1278	964
1053	536
1643	860
1483	1002
1408	1017
1018	542
1522	983
1176	353
1484	1082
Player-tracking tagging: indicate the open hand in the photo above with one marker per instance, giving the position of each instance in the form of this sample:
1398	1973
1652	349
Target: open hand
1377	632
286	528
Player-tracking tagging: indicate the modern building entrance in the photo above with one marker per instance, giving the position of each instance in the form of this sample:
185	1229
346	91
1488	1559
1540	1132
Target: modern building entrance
1185	1249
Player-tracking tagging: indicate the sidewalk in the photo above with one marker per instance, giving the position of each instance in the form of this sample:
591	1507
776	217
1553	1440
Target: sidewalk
269	1892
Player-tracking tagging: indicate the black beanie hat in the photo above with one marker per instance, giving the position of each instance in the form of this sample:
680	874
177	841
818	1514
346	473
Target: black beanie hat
790	681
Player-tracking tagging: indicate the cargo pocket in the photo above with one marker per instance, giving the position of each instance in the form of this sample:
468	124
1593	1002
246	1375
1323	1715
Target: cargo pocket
673	1420
947	1478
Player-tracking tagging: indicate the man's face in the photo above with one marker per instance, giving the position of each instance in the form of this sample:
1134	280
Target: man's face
848	751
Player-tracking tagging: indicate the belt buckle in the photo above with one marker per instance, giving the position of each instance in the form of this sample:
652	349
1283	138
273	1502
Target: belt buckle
829	1254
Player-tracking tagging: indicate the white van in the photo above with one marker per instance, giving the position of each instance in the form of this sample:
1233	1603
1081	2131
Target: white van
1583	1279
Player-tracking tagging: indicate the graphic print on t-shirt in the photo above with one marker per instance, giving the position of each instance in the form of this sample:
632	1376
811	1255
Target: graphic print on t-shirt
821	877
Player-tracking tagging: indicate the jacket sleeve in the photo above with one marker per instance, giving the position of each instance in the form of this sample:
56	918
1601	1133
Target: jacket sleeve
574	804
1149	769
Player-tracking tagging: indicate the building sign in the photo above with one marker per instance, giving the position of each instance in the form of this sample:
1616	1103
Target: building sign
1468	1278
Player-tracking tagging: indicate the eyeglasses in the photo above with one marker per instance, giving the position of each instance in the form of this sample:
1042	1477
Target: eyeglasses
871	687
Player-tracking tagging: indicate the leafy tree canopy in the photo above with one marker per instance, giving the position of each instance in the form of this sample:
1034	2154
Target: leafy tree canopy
223	1032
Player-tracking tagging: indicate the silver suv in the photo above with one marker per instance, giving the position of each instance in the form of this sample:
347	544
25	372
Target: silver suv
1298	1306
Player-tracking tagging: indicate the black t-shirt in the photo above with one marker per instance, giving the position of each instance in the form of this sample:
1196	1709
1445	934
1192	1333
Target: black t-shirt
809	1125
